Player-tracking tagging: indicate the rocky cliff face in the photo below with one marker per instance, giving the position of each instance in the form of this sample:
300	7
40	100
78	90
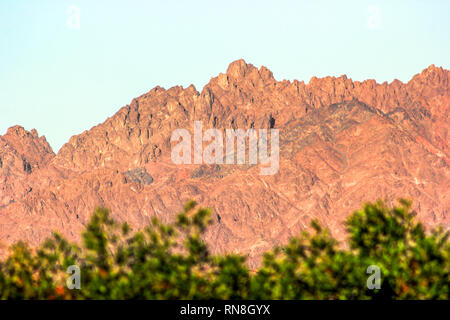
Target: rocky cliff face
21	154
342	142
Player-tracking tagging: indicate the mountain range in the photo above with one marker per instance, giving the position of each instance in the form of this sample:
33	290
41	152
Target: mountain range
341	143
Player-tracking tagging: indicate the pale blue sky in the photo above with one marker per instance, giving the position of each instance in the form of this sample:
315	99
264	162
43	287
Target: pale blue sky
63	81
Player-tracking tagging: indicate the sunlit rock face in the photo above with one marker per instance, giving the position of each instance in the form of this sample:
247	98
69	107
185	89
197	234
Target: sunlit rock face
341	143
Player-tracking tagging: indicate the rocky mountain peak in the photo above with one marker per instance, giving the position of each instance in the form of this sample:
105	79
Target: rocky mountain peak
239	68
435	77
28	144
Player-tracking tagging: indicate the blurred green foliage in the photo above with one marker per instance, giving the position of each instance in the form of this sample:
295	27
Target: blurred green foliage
171	261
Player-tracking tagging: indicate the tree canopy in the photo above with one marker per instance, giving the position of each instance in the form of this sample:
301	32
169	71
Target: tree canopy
172	261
